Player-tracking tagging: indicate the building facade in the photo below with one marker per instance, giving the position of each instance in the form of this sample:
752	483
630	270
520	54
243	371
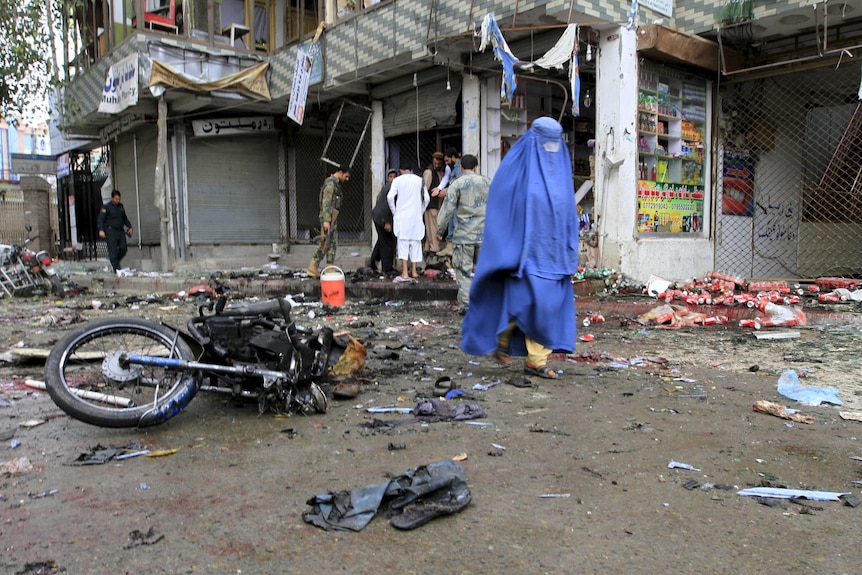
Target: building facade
704	135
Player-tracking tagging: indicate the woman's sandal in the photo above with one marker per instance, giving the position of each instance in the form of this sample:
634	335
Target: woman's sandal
502	358
544	371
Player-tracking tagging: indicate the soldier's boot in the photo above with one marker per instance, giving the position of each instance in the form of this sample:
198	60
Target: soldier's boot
312	269
446	252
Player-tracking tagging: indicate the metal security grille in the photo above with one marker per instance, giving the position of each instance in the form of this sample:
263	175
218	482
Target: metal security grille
419	147
789	177
339	136
80	201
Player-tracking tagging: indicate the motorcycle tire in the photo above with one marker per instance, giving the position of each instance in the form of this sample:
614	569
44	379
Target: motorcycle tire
86	379
57	286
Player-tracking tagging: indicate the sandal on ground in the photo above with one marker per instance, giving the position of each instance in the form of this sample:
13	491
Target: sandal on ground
502	358
444	384
452	496
543	371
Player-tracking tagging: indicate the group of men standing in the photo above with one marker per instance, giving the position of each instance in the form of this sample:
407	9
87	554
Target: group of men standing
516	296
443	204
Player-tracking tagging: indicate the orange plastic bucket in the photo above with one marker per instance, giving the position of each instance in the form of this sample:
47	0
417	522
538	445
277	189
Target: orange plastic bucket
332	286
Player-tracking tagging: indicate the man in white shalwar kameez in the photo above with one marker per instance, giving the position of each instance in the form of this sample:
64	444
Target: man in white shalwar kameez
408	199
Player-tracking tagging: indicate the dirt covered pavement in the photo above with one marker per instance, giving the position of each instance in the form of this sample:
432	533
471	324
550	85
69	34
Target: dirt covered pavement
567	476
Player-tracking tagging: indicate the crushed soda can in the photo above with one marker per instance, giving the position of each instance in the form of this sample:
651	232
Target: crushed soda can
727	278
593	318
831	298
778	286
835	283
753	323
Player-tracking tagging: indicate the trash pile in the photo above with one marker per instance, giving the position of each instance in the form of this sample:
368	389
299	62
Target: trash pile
779	303
721	289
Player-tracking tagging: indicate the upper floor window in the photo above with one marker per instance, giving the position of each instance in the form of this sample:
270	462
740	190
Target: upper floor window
302	17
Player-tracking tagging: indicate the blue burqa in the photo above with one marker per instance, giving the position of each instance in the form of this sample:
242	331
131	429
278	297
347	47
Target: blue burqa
529	249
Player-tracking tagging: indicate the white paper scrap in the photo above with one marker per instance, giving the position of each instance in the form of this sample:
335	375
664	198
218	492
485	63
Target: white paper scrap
677	465
783	493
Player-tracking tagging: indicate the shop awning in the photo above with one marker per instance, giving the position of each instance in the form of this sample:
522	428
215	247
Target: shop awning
660	42
250	82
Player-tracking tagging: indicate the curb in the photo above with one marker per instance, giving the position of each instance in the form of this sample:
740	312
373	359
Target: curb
427	290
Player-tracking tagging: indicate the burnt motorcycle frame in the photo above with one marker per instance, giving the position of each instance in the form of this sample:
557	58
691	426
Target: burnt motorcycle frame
128	372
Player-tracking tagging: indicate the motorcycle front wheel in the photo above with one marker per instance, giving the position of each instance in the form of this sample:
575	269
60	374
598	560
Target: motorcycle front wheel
87	376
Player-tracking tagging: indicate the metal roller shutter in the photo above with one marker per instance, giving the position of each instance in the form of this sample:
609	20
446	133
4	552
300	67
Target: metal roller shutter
233	190
429	107
138	196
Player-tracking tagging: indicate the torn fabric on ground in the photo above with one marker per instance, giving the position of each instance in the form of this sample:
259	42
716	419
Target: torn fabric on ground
415	498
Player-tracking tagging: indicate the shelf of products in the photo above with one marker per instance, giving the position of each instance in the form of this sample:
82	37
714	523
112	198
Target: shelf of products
671	150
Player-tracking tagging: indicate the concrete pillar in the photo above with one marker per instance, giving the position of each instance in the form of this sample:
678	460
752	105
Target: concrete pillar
616	137
378	158
37	206
471	128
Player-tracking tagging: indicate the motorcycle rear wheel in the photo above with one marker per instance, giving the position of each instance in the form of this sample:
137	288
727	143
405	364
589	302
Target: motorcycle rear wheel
87	379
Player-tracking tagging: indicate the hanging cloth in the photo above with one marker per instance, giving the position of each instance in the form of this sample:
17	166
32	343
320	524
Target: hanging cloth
561	53
633	15
575	80
491	34
565	50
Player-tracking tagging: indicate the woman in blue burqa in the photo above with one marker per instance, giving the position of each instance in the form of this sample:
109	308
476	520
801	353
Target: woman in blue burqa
521	299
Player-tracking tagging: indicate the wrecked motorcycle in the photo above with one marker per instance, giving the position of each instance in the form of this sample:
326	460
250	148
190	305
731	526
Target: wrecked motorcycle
133	373
24	272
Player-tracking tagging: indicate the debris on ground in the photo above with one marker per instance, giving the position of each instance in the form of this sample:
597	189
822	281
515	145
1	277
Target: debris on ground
100	454
17	466
352	359
41	568
138	538
778	410
789	386
677	465
415	498
785	493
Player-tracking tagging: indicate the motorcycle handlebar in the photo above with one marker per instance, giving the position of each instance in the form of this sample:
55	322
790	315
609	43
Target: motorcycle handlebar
192	326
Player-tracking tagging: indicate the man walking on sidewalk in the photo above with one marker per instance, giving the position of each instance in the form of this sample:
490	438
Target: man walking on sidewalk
114	226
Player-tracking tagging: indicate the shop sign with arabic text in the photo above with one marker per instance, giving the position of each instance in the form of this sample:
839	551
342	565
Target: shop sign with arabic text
225	126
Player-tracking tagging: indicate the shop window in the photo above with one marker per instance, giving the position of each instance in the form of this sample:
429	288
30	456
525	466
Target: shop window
672	150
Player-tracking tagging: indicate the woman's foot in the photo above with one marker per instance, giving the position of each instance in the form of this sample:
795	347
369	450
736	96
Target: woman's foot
540	371
502	358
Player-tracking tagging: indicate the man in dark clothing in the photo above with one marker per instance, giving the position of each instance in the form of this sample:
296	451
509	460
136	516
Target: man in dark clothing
384	249
114	226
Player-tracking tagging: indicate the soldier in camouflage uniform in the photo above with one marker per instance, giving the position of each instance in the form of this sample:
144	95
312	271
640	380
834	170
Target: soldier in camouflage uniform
330	204
466	198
